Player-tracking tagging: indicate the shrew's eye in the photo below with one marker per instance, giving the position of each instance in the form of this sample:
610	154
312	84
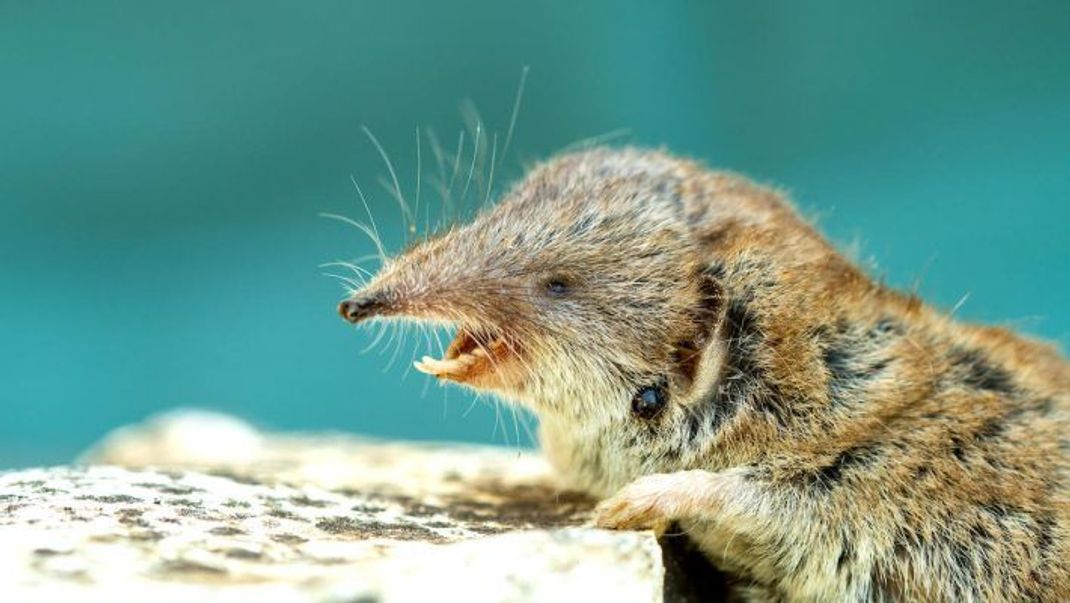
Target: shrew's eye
650	400
556	287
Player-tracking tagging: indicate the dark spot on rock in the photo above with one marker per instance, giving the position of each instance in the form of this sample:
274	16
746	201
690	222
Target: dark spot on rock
347	526
368	508
184	502
365	598
45	552
187	567
169	489
289	539
232	503
132	518
533	506
485	529
178	490
411	505
244	554
226	531
111	499
304	501
199	513
236	477
424	510
283	514
340	525
146	535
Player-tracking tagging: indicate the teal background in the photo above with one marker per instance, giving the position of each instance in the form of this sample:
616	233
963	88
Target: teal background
162	166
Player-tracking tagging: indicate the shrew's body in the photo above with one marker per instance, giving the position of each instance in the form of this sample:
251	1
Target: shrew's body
698	354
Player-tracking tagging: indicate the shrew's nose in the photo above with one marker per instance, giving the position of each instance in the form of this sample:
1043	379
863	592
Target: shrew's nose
357	309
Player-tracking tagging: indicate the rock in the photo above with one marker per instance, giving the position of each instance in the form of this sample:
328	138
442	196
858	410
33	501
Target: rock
204	507
222	445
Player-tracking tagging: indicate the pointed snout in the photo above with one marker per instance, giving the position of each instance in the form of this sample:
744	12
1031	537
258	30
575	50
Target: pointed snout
359	308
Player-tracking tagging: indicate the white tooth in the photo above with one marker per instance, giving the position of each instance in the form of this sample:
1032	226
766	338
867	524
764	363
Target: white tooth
429	365
441	366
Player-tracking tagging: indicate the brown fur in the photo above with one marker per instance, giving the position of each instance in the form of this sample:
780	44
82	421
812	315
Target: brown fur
825	438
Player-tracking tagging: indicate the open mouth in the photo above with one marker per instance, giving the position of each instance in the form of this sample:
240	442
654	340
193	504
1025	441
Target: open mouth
475	357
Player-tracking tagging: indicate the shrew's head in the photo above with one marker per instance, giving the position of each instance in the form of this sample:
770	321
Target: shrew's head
588	292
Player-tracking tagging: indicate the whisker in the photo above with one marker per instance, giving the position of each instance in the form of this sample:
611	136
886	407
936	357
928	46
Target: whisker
351	284
470	406
397	345
962	301
359	271
371	218
440	161
394	329
457	161
419	170
490	183
472	167
436	150
516	427
586	143
516	109
406	213
369	231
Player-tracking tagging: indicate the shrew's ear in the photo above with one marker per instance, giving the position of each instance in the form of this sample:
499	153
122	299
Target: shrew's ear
691	352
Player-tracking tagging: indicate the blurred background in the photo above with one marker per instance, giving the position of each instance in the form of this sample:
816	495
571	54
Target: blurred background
163	165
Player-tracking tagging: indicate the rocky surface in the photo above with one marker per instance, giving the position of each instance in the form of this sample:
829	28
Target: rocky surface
201	506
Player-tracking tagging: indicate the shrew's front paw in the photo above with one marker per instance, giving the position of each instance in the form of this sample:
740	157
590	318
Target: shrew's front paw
651	501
